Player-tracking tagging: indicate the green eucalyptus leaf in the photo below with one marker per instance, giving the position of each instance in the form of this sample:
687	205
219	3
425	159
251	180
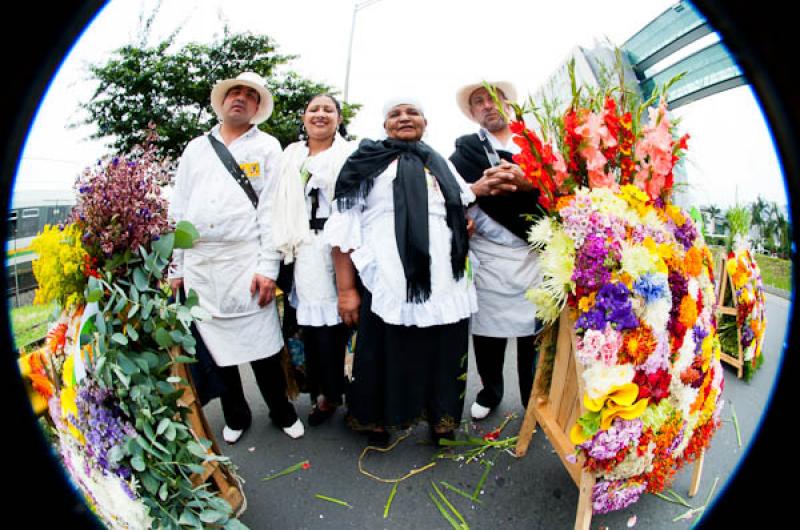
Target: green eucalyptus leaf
234	524
187	518
171	433
137	463
185	359
140	279
132	333
132	311
199	313
163	338
163	491
149	482
162	426
211	516
127	366
163	245
119	338
185	234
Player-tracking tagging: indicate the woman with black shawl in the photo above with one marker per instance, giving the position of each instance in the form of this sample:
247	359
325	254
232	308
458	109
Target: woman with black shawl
399	238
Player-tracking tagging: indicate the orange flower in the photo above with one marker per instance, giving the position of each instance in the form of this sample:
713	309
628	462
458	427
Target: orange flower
688	311
564	201
57	337
637	345
694	261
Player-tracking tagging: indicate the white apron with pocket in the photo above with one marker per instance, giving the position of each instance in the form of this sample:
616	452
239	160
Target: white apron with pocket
239	331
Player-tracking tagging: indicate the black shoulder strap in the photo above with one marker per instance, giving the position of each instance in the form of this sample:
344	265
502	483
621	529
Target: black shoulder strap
233	168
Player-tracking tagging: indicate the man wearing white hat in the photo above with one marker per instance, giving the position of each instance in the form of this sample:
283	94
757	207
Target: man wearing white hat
505	269
222	187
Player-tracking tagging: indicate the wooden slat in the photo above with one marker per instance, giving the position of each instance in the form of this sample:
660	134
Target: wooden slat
583	519
697	475
529	422
563	353
730	359
722	310
558	438
568	397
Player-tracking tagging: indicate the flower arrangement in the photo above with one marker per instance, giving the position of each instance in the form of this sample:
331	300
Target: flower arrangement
635	275
106	366
750	306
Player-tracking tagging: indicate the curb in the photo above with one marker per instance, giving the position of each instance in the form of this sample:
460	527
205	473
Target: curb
783	293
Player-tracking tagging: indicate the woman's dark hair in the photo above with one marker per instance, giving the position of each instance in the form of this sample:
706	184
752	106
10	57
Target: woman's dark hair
342	129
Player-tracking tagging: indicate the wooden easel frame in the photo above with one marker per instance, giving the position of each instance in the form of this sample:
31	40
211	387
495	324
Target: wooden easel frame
227	485
726	282
557	409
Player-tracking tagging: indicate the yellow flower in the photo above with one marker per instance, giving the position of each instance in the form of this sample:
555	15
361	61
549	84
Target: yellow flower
674	213
587	302
59	266
619	402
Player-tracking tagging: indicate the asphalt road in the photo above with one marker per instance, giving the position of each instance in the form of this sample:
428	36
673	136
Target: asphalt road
534	492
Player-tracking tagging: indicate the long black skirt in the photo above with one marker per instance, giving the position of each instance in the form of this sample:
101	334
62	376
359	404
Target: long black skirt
406	374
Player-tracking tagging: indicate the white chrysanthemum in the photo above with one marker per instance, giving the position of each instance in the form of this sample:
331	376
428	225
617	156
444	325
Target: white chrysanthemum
694	288
633	464
606	201
600	378
541	233
691	423
547	307
682	396
652	220
557	261
638	260
685	354
656	313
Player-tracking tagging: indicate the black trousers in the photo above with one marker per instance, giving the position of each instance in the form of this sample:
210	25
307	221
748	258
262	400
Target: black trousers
325	348
272	384
490	356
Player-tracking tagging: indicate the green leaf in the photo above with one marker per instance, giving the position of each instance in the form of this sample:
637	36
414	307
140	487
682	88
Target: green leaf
590	422
234	524
149	482
171	433
185	234
162	426
163	246
132	311
119	338
162	338
211	516
163	491
132	333
185	359
127	366
100	323
199	313
137	463
147	308
140	279
94	295
197	449
187	518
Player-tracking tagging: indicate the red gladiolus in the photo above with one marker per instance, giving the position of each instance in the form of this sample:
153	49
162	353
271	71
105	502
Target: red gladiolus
306	465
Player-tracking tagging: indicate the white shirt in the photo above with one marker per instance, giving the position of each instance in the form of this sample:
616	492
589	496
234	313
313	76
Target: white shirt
369	231
207	196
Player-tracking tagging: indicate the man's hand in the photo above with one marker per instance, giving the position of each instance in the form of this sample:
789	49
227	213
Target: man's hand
470	226
265	288
175	284
349	304
506	178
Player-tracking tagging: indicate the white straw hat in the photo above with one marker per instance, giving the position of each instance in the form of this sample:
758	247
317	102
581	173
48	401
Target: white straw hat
249	79
463	94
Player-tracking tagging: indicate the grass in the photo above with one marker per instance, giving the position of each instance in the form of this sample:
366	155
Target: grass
29	323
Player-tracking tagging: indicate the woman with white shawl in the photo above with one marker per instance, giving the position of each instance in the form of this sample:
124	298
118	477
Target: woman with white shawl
304	193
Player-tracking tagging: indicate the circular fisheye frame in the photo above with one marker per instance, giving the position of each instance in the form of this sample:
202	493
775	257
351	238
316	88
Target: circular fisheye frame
755	490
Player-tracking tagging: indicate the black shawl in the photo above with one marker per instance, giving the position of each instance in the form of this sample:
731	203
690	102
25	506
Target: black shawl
410	204
509	210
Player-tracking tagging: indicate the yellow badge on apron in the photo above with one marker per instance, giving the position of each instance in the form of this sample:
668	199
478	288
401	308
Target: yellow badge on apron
251	169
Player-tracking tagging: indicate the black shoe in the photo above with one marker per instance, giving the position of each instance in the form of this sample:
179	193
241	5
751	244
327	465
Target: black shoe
437	436
318	416
378	438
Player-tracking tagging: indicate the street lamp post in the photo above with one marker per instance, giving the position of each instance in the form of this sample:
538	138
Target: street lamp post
357	6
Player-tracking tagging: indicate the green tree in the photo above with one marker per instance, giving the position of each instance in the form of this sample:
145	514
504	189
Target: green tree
170	88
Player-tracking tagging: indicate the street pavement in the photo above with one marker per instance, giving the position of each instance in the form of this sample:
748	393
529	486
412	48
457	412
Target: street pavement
534	492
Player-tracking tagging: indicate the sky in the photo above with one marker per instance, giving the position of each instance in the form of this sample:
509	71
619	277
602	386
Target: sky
424	48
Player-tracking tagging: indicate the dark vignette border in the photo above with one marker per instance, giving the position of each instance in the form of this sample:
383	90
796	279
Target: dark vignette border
760	35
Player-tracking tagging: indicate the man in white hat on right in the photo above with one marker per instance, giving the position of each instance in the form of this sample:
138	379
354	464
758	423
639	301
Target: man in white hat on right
504	267
222	187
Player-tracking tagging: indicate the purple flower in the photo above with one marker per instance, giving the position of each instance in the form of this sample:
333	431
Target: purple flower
621	435
684	234
747	336
590	268
700	333
609	496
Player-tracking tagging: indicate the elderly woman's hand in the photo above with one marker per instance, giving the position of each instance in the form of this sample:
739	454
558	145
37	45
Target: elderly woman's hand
348	305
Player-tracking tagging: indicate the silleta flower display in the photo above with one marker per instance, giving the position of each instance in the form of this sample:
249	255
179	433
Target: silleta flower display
636	276
105	372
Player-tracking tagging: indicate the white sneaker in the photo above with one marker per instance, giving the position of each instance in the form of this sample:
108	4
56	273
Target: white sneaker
478	411
230	435
296	430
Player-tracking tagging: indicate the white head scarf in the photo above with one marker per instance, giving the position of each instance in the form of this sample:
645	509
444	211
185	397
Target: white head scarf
401	100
